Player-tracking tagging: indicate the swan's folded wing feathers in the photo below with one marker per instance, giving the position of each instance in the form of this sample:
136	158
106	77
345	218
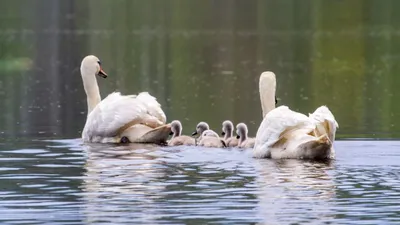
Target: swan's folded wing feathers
273	127
325	122
153	107
112	113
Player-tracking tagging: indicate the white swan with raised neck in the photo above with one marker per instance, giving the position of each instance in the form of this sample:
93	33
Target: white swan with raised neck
284	133
120	118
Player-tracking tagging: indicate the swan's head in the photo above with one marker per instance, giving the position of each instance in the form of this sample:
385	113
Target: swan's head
227	128
91	65
209	133
241	130
176	128
200	128
267	88
267	76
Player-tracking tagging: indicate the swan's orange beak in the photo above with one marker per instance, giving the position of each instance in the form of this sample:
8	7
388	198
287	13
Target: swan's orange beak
102	73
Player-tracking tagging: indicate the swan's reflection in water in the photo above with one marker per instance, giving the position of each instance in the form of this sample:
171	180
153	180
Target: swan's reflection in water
151	184
118	179
295	190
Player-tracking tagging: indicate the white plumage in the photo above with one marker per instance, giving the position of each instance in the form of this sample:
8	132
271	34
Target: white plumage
117	110
284	133
152	106
325	121
110	119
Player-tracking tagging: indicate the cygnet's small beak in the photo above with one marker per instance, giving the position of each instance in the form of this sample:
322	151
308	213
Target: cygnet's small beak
102	73
223	133
194	133
171	133
237	137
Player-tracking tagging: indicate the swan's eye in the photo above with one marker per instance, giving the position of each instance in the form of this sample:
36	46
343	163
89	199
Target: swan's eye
99	63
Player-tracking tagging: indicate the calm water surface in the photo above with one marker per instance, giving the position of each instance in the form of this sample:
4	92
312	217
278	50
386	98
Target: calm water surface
65	182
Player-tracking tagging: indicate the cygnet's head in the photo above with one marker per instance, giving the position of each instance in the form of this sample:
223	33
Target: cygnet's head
227	128
210	133
91	65
176	128
241	131
200	128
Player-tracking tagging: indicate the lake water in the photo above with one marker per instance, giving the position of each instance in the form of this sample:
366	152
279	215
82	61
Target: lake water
202	60
63	182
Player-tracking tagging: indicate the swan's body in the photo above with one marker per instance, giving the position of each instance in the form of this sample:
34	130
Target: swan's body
211	139
284	133
227	131
244	140
178	138
117	118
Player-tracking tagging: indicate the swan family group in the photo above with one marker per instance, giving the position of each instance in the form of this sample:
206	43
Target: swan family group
209	138
282	134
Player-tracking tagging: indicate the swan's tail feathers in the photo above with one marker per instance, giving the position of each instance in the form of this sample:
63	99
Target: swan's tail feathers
320	148
324	139
325	122
158	135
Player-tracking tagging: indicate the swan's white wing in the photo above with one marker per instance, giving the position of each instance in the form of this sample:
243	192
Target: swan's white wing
152	106
325	122
113	113
273	127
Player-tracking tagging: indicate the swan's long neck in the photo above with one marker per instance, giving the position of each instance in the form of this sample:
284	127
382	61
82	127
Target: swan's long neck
228	132
227	135
267	91
178	132
243	137
92	91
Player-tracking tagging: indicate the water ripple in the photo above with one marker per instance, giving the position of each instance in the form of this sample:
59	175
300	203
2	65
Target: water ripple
67	183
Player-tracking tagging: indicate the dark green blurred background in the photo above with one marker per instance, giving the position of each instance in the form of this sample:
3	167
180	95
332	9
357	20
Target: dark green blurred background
202	60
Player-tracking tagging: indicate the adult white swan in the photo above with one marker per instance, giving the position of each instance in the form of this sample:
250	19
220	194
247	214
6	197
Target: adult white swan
120	118
284	133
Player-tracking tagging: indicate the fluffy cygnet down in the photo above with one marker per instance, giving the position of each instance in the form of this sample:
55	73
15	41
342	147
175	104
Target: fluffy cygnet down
244	140
178	138
227	132
211	139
